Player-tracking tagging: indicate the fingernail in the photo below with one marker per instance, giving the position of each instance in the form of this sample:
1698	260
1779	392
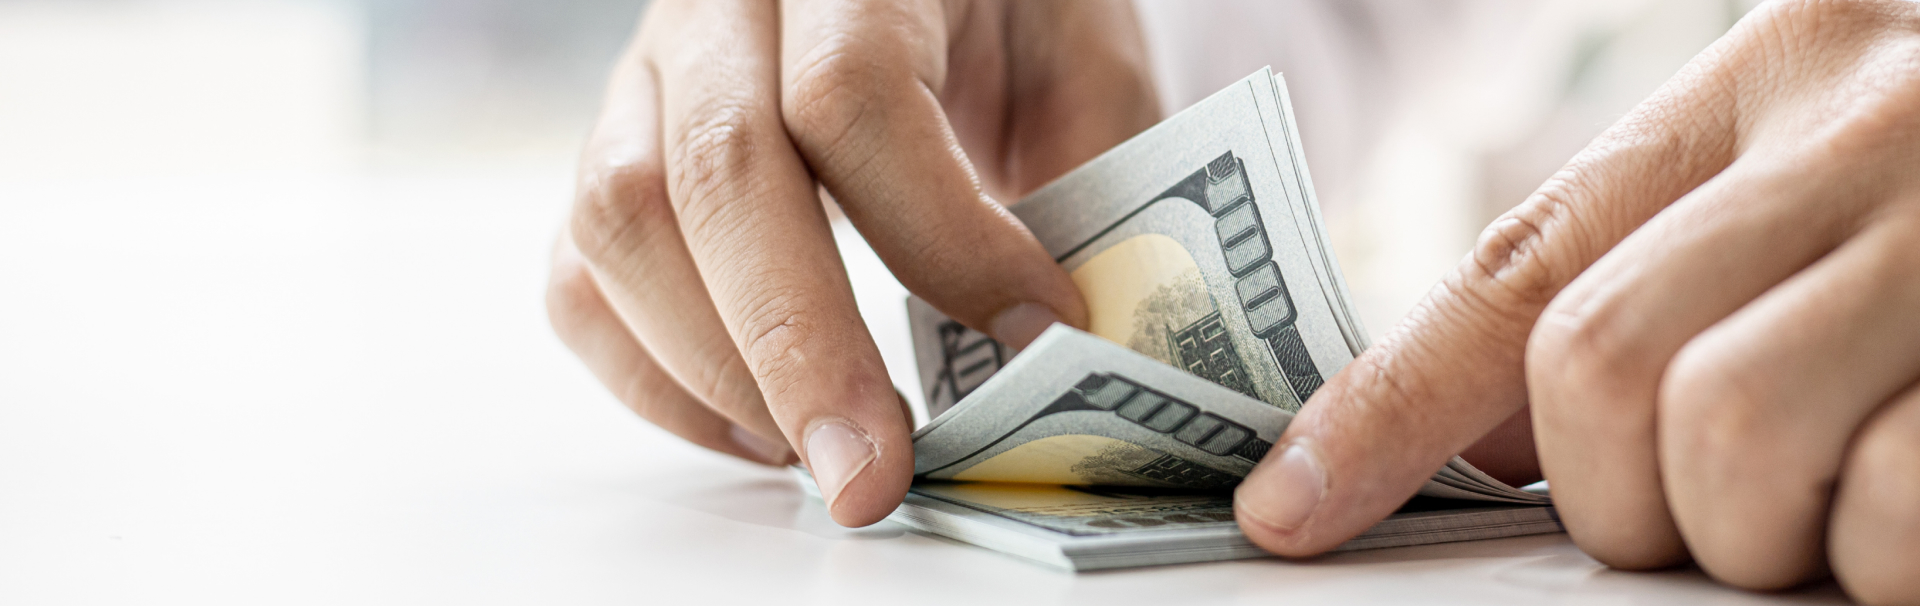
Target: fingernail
1019	325
773	453
1284	494
836	453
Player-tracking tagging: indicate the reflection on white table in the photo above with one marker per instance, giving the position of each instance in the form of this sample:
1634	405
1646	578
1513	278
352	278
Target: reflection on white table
341	389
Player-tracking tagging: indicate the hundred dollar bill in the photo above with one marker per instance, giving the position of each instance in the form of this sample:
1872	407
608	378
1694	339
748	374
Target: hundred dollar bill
1197	243
1217	306
1076	409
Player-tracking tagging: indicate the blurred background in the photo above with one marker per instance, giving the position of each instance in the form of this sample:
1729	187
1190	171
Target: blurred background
271	271
271	320
1423	120
105	86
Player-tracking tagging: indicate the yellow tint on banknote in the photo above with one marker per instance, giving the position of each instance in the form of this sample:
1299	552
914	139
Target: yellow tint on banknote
1141	291
1067	459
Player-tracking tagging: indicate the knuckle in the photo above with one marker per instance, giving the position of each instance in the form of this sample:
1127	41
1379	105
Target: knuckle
774	334
1875	122
1890	459
618	199
1723	419
1621	526
1894	461
1518	265
1804	34
712	159
1588	348
831	93
1549	241
1512	260
1876	534
1794	11
1713	409
1785	20
1522	261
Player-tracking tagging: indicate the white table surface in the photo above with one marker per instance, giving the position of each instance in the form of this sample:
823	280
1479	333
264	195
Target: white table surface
340	389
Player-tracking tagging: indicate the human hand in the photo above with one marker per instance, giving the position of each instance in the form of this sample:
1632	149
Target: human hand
705	289
1711	313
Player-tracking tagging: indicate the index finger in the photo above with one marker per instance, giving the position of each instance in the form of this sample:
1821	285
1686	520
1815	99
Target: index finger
1455	368
757	231
862	103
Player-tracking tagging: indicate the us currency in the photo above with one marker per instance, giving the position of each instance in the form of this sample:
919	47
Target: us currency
1102	527
1080	410
1200	253
1197	243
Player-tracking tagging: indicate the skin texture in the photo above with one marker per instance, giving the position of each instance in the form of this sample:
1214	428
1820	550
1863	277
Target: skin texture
1700	330
699	278
1707	315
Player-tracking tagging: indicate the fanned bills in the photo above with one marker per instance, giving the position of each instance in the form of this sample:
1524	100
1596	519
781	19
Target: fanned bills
1077	410
1216	309
1217	305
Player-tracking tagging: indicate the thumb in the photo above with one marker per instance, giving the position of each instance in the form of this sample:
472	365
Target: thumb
1453	370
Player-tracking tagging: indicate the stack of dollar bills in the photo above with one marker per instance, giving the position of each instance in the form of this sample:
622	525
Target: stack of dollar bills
1216	309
